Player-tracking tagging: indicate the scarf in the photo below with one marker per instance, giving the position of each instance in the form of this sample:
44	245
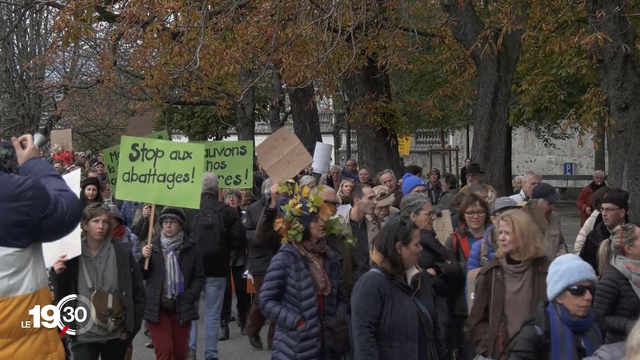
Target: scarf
519	302
568	333
630	269
595	187
314	255
173	275
119	232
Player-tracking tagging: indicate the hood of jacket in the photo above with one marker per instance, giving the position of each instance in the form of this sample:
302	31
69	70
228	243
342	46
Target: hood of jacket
533	210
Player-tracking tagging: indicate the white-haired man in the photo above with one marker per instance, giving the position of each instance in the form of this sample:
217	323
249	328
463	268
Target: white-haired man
531	179
218	230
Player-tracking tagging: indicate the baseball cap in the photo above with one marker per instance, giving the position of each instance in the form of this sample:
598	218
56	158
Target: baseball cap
545	191
503	203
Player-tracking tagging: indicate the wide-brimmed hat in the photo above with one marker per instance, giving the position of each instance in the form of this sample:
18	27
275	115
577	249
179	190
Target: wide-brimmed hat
384	197
474	169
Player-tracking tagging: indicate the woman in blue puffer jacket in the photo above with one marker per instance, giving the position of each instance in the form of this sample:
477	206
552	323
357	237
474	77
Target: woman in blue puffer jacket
303	291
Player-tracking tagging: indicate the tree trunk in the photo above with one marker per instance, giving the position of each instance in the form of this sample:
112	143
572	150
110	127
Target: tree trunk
495	67
619	75
276	102
377	145
600	155
245	109
304	113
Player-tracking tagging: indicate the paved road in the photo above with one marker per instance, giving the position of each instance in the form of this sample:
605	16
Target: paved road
238	348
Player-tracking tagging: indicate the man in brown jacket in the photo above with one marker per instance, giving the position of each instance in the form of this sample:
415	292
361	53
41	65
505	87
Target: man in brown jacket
542	210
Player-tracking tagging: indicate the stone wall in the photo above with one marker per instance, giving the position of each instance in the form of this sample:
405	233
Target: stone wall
529	153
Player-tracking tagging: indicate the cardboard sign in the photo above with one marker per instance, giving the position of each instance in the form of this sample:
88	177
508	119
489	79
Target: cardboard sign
322	158
111	155
472	276
63	138
404	145
70	244
282	155
160	172
443	226
140	125
231	161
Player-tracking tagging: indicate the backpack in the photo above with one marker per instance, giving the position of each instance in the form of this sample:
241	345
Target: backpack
207	229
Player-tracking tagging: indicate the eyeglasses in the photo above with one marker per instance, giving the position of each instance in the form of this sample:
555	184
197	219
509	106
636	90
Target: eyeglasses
581	290
334	203
608	210
475	213
168	221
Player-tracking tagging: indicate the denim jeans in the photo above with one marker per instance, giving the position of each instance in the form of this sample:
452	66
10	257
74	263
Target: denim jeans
213	297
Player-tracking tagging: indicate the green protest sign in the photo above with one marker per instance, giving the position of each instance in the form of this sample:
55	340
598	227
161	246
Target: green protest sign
160	172
231	161
110	158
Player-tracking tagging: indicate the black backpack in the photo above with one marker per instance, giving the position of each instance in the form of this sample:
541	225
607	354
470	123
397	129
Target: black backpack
208	230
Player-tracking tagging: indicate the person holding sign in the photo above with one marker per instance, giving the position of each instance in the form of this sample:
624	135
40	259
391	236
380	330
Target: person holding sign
175	278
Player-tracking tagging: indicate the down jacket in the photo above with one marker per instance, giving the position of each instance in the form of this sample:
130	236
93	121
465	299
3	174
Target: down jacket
288	295
533	341
478	257
37	207
617	303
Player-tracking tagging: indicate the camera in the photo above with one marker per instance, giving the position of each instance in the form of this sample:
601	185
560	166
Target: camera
8	160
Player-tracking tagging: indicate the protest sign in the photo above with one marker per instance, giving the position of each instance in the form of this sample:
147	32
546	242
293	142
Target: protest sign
231	161
160	172
404	145
111	155
63	138
282	155
322	158
70	244
442	226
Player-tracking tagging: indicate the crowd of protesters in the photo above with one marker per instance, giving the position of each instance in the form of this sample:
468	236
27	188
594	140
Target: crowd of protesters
348	266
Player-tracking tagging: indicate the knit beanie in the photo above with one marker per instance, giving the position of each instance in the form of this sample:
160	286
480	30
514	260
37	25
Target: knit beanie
174	213
565	271
306	180
617	197
410	182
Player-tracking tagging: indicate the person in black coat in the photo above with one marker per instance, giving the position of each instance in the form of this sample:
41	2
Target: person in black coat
393	310
175	277
261	251
614	209
618	296
563	327
440	263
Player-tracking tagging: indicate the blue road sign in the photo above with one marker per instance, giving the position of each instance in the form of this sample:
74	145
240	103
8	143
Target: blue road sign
567	168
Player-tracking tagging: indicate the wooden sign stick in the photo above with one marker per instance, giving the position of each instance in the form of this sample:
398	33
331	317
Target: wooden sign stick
151	219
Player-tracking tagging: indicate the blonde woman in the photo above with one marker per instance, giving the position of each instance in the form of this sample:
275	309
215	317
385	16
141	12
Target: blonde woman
509	286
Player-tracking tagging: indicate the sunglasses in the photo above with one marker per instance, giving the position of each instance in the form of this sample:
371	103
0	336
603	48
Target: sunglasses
581	290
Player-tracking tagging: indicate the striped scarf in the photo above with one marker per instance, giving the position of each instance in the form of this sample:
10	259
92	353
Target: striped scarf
569	333
173	275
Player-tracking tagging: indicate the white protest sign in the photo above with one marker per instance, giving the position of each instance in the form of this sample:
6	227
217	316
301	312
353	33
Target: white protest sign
70	244
322	158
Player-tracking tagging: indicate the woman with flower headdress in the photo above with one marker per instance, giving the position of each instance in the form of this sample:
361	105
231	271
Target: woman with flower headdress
303	293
